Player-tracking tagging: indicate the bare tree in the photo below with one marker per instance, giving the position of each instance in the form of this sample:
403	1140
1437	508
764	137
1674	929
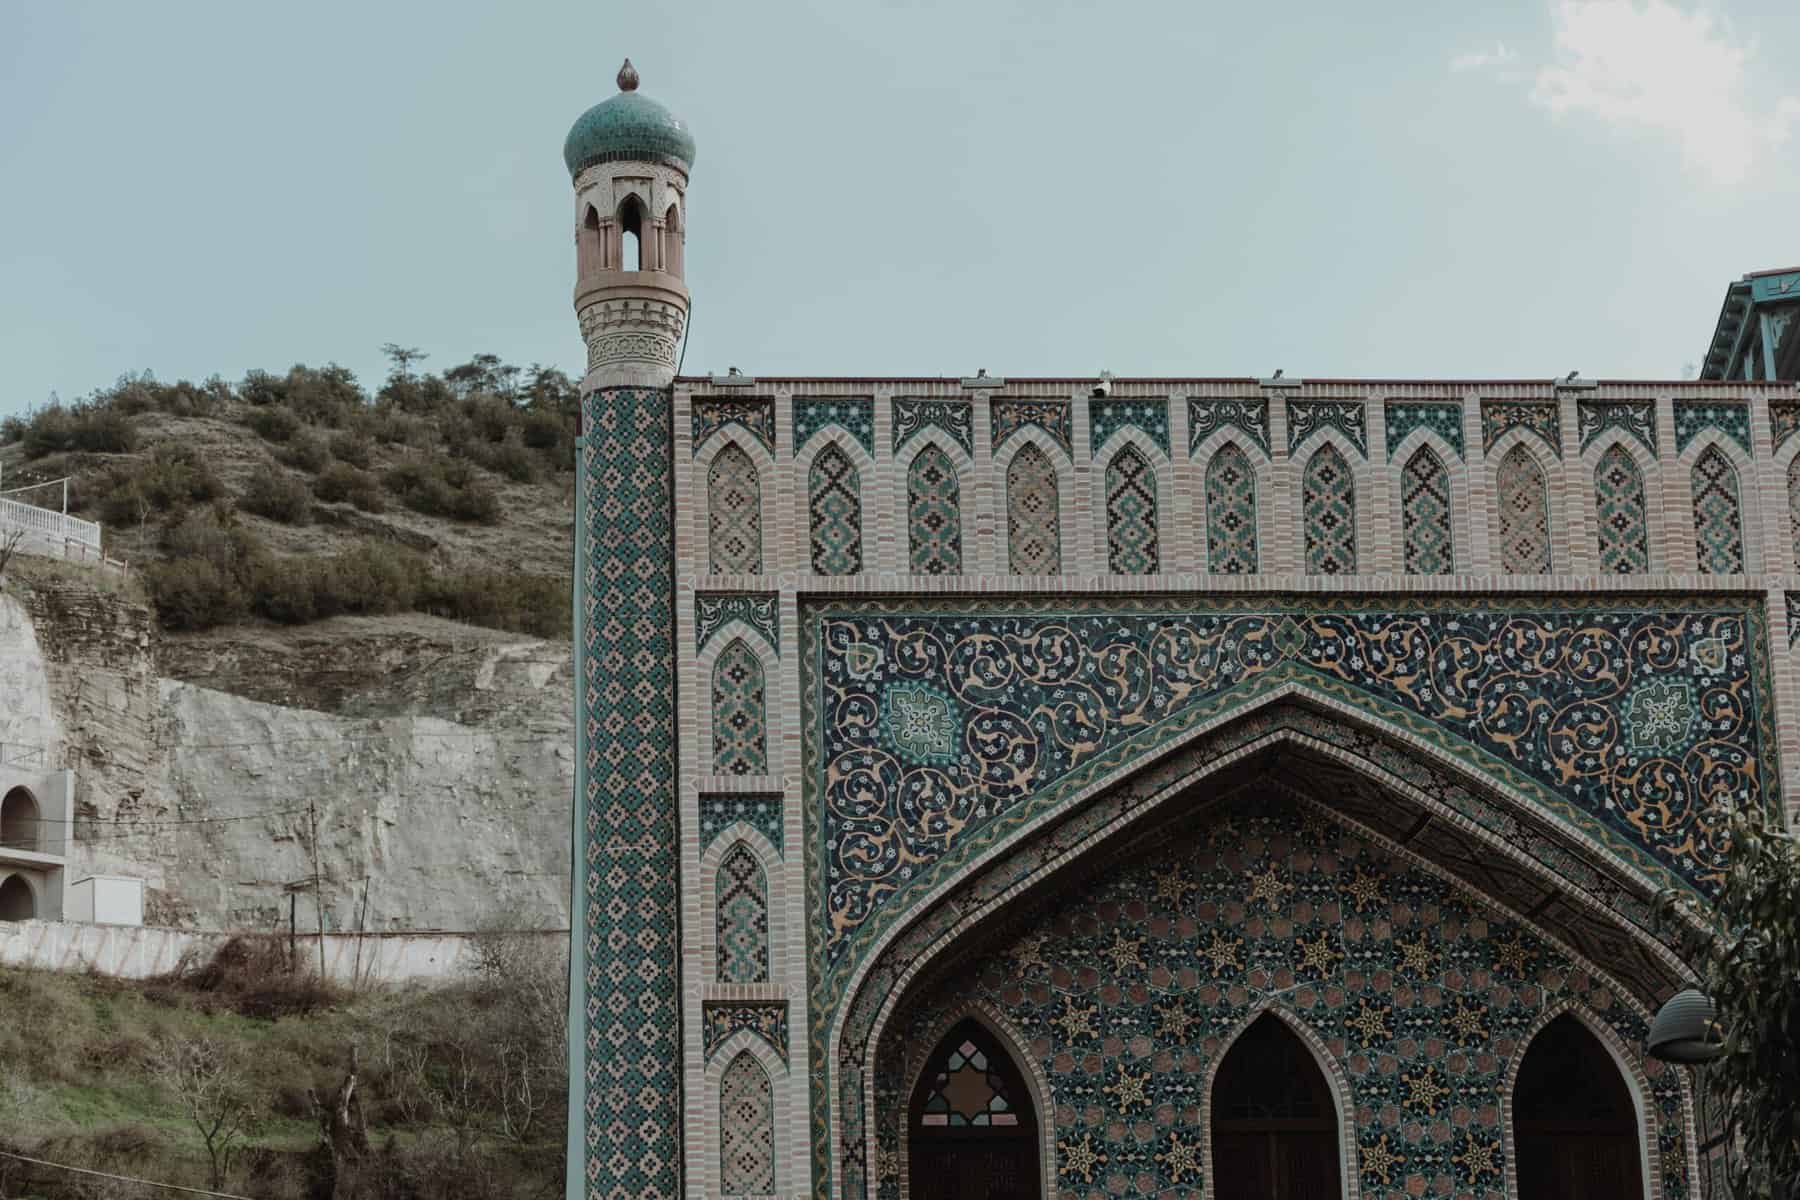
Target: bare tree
402	358
9	546
215	1094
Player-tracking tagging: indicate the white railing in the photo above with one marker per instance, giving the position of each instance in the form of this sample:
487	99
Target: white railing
40	524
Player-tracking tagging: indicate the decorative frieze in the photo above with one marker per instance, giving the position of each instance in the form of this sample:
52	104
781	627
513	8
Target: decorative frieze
1208	416
755	414
1307	417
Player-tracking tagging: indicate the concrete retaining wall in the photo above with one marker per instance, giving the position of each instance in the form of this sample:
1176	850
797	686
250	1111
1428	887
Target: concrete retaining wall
127	952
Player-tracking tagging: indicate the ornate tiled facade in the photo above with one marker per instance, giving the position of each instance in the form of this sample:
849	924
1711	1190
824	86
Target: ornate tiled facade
1131	542
1620	518
1033	514
989	714
1230	513
1718	520
934	514
834	503
1328	513
1427	541
734	513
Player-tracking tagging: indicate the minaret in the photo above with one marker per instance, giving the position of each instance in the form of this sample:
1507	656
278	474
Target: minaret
630	159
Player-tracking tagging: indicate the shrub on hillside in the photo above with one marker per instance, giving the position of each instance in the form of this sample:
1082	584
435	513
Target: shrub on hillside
394	428
509	458
141	393
273	424
90	425
532	604
212	572
279	496
353	448
443	489
366	581
168	481
341	481
306	451
326	395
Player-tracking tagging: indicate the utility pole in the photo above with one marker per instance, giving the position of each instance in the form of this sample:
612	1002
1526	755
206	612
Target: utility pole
312	816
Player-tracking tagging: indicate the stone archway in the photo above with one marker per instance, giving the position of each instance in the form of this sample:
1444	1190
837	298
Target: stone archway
17	901
21	824
1323	772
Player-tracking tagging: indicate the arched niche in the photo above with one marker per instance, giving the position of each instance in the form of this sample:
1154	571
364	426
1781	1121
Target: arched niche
17	901
21	823
971	1122
1274	1122
1575	1122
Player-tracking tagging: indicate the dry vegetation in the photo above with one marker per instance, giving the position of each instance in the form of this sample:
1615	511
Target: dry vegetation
295	497
243	1076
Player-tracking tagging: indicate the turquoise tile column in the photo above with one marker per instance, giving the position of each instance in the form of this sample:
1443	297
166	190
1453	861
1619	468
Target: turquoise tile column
625	1000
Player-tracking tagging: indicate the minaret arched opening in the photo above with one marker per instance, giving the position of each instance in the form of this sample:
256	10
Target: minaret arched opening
631	235
672	241
590	251
1274	1125
1575	1128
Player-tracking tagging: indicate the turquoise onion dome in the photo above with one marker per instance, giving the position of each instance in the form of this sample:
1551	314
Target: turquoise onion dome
631	127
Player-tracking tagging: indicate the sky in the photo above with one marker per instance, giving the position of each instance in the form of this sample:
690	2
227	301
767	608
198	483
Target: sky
1037	188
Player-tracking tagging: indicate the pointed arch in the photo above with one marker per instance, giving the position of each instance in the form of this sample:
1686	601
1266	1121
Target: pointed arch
1622	520
1230	513
834	508
1576	1121
1523	513
933	514
733	514
1718	514
672	244
740	723
972	1106
741	916
18	899
1131	535
1328	513
21	821
746	1129
590	252
1275	1117
1033	514
1427	541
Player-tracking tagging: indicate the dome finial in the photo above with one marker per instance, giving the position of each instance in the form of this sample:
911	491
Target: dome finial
628	77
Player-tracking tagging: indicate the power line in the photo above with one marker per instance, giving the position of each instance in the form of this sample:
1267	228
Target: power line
173	1187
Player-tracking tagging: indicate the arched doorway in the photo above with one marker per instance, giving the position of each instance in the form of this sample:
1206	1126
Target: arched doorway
1274	1126
20	827
1575	1129
17	903
972	1131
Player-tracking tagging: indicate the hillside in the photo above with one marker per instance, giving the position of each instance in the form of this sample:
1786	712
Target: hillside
291	498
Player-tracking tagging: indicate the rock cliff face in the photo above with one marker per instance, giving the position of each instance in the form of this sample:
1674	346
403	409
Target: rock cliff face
433	759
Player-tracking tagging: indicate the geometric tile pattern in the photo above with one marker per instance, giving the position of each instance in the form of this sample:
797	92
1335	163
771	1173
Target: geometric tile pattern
755	414
1624	529
1635	417
1306	417
954	417
1130	514
733	514
1694	417
1793	493
719	812
1328	513
855	415
993	712
1206	417
834	505
746	1129
1524	513
1107	417
933	514
625	833
1718	529
1130	985
1784	420
767	1021
713	611
1442	417
1535	416
1425	515
742	894
1230	513
1793	618
740	725
1007	417
1033	514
